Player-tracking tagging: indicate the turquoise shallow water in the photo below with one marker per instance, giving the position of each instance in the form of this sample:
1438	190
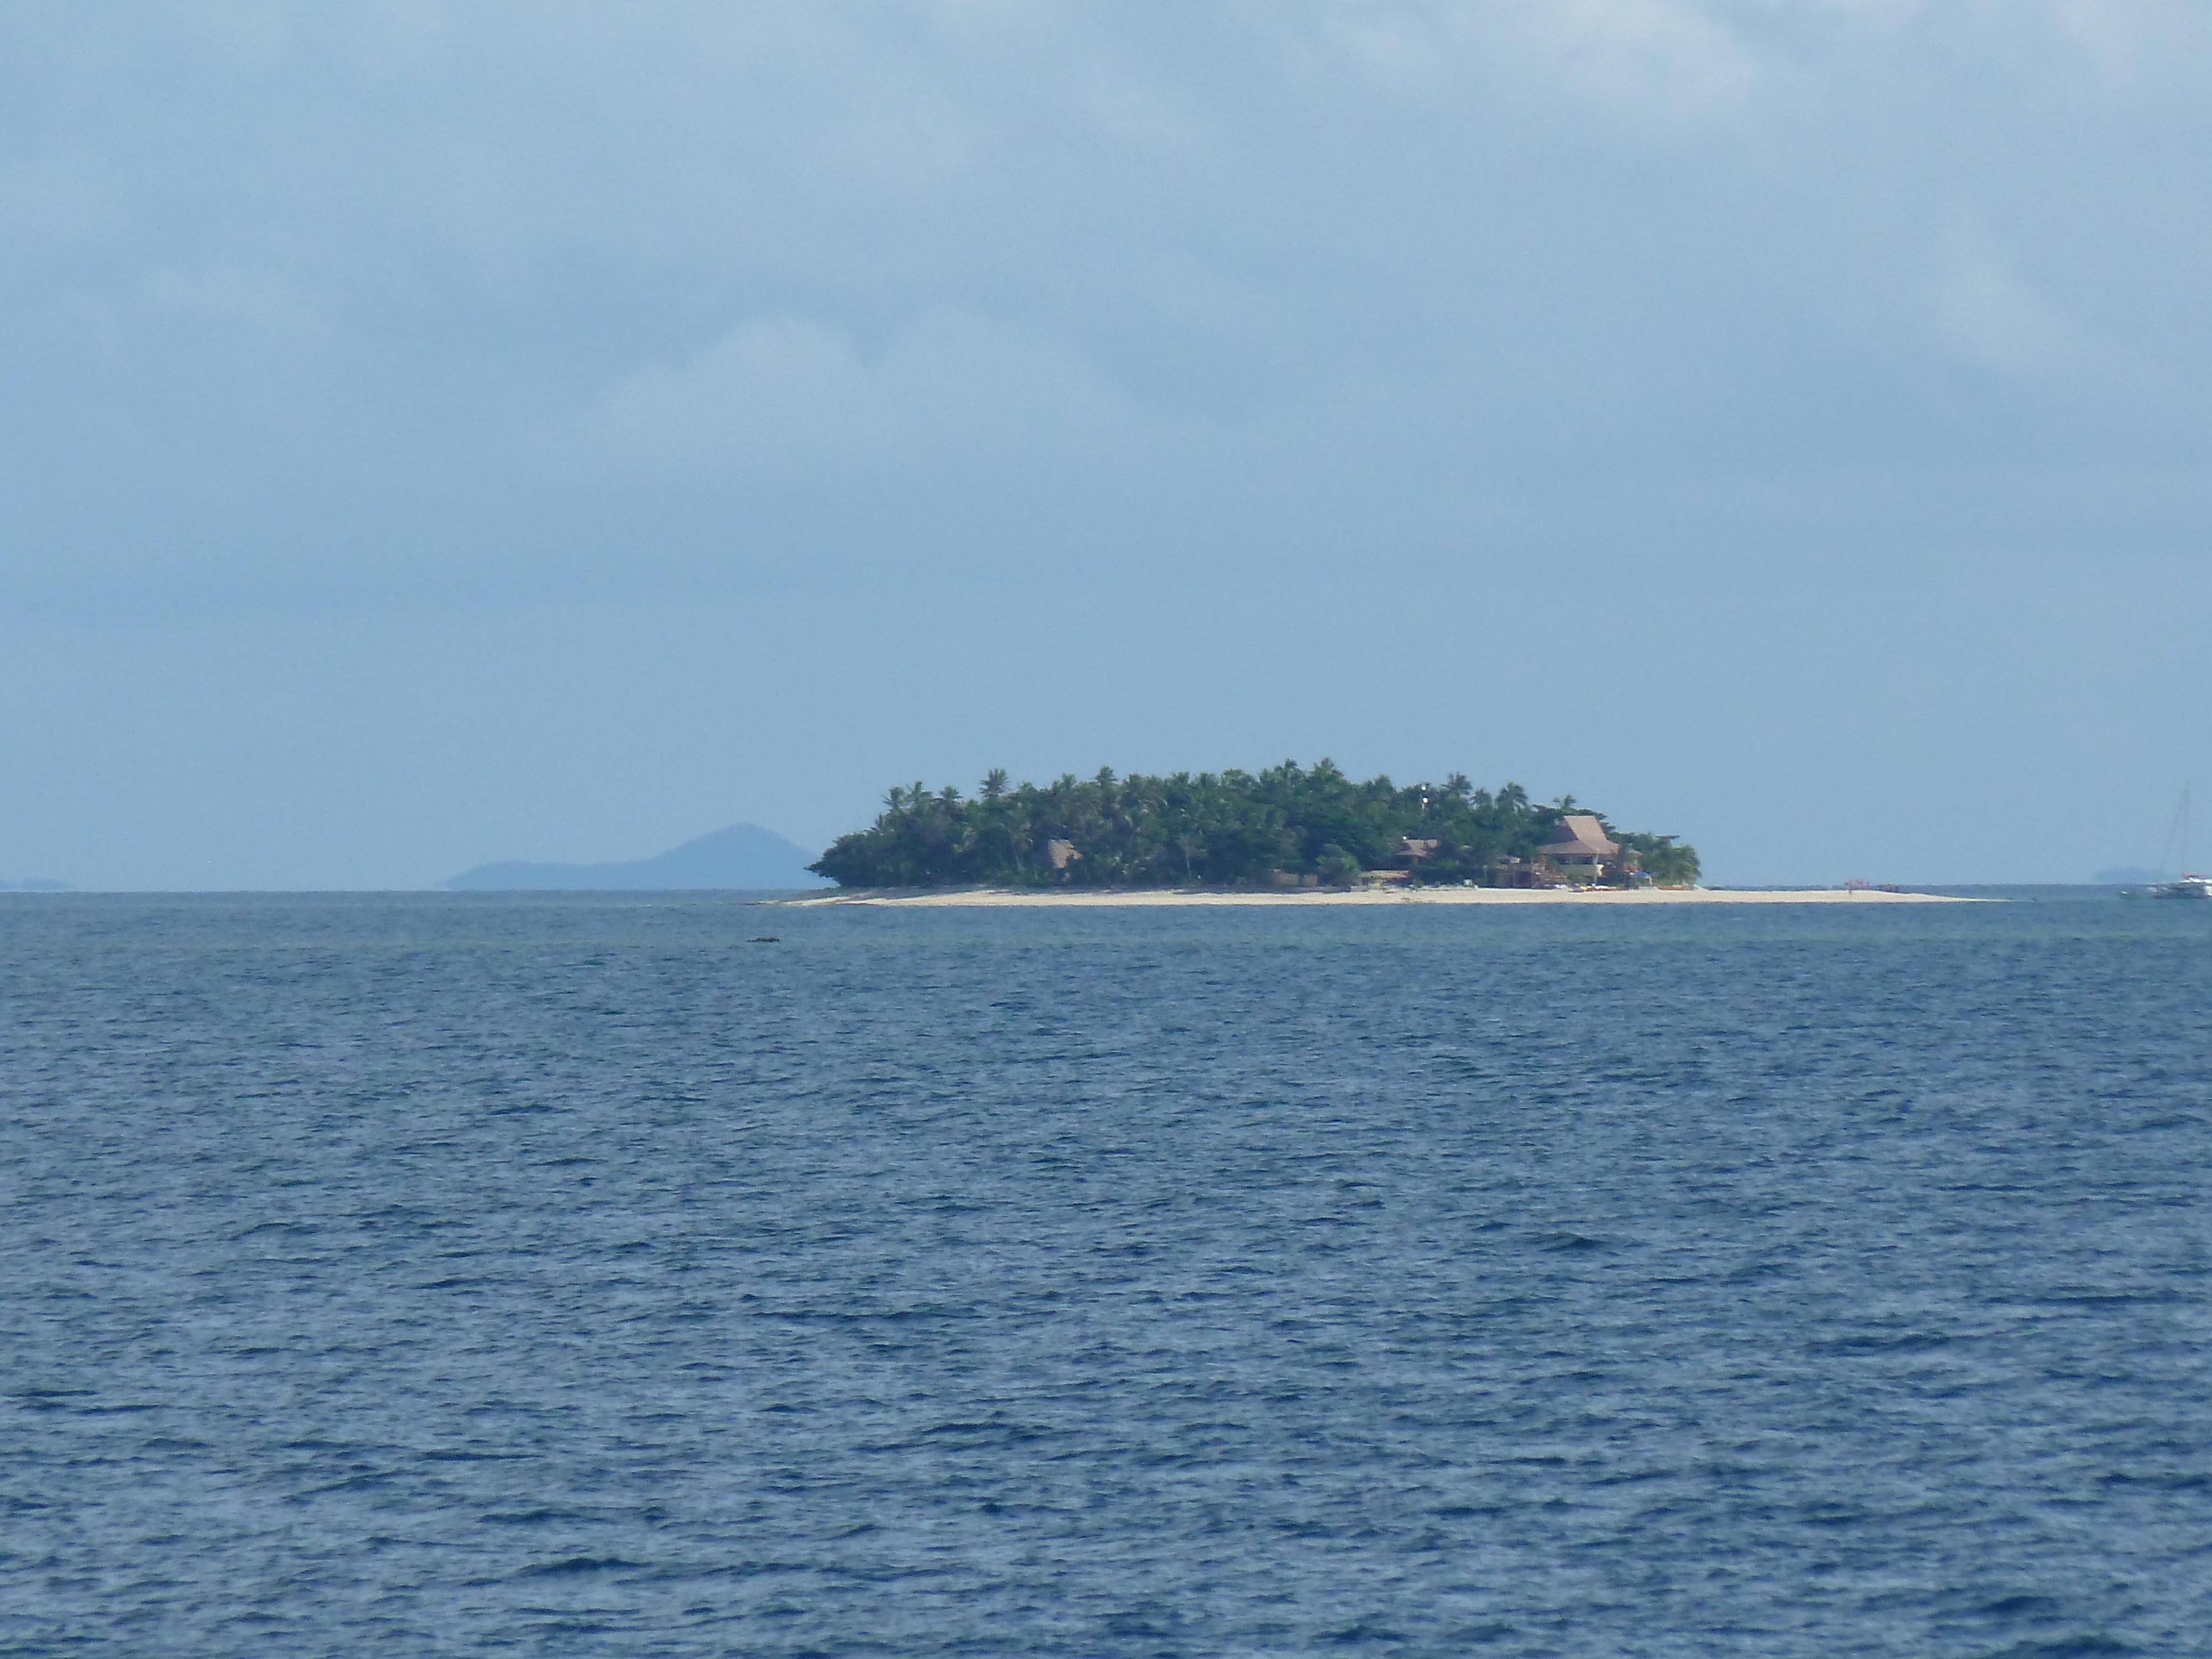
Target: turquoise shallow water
476	1274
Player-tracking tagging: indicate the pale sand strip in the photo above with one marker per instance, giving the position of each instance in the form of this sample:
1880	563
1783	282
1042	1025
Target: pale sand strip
1066	899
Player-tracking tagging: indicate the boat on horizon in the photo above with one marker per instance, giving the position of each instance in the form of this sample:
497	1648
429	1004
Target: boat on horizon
2177	840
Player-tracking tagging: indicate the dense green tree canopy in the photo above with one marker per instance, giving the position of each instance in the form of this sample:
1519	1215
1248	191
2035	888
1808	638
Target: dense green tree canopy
1209	830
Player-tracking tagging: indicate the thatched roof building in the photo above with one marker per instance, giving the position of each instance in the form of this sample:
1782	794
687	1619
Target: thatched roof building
1581	840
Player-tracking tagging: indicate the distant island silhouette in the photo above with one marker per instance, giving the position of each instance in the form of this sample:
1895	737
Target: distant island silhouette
744	855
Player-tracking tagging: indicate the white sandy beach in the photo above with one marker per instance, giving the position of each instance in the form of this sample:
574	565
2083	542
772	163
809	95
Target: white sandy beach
1071	899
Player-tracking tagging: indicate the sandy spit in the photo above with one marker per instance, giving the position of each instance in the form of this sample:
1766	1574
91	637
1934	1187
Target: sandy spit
1066	899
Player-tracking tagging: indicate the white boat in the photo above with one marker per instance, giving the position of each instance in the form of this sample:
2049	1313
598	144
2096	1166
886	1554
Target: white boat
2182	887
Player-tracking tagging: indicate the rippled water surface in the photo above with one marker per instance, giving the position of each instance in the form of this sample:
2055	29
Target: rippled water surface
480	1275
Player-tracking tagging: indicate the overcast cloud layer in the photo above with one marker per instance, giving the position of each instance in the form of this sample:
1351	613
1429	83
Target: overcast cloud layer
436	433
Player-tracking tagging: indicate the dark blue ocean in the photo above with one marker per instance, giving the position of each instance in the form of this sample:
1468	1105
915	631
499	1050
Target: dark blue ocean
480	1275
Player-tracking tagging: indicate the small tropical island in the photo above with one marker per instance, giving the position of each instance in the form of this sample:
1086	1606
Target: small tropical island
1283	830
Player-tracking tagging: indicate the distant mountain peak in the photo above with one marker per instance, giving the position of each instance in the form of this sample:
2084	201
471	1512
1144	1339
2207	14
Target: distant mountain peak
741	856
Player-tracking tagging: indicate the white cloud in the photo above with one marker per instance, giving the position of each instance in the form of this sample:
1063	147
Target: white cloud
791	391
259	300
254	34
1142	116
48	205
1987	311
1666	59
1656	54
842	241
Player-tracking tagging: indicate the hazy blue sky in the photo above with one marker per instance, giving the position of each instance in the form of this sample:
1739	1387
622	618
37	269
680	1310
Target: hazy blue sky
433	433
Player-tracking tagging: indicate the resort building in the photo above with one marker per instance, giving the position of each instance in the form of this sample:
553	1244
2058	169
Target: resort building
1584	850
1412	850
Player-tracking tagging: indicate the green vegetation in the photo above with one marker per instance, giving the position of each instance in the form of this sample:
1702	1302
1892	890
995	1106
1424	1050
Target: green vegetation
1226	829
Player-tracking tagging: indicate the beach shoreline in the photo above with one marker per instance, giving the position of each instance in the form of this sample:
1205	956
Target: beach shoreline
1111	898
